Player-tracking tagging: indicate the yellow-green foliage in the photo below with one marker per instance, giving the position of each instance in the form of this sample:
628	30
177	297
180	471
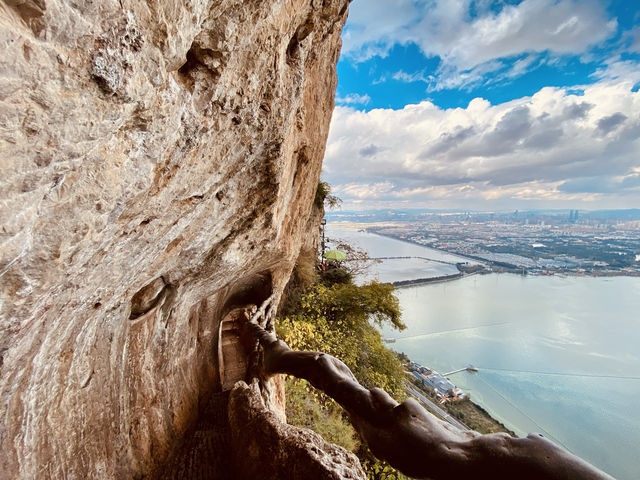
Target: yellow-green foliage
335	319
306	407
378	469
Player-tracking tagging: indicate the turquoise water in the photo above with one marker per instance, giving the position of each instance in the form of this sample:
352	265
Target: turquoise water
392	270
556	355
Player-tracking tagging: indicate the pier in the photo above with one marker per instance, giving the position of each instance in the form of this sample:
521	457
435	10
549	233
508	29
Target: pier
443	388
468	368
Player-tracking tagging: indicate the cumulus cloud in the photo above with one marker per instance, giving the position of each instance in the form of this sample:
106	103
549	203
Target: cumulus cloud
469	36
611	122
370	150
548	147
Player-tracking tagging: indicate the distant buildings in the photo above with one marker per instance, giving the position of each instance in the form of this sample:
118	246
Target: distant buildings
573	216
537	243
443	388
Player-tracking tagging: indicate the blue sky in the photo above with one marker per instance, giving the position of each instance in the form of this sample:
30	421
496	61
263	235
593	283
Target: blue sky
486	104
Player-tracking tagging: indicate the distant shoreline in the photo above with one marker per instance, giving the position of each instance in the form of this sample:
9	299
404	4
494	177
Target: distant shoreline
411	242
447	278
469	413
426	281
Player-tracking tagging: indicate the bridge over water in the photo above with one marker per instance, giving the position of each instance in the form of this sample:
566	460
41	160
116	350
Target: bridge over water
420	258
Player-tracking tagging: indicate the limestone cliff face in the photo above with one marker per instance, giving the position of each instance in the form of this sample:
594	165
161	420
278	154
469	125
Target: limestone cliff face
159	160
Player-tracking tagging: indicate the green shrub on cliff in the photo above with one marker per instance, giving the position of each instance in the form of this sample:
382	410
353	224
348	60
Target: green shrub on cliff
324	197
307	408
336	319
331	314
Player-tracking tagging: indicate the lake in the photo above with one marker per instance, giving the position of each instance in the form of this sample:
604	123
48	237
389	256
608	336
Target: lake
391	270
556	355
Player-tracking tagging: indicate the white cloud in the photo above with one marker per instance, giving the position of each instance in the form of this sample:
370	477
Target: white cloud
533	149
374	26
353	99
635	46
403	76
615	69
521	66
465	42
630	39
448	77
366	191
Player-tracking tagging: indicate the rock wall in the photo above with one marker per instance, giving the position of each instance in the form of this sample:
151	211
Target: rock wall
159	161
282	451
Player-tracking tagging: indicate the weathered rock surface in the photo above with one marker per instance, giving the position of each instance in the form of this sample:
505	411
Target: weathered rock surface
277	450
159	160
205	453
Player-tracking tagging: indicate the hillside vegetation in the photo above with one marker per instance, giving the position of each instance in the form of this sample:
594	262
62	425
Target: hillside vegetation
327	312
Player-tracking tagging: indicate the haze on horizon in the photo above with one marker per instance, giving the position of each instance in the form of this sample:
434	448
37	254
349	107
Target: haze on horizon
478	104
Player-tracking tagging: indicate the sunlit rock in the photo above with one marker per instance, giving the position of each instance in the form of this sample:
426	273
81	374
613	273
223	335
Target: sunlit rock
159	162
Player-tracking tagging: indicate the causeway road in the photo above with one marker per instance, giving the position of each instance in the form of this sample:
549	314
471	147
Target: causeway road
444	415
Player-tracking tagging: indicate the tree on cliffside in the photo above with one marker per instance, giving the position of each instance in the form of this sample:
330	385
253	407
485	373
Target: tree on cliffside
324	197
337	319
330	313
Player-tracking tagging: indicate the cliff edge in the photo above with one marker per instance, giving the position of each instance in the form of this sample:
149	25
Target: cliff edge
159	160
